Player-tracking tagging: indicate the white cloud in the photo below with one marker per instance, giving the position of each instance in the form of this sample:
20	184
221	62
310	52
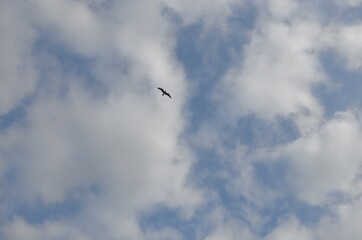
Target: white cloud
164	234
289	228
326	161
72	22
282	9
225	227
275	77
345	39
18	229
278	70
230	231
212	13
17	73
344	223
126	143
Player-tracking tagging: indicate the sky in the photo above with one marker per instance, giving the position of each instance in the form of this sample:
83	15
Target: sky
260	141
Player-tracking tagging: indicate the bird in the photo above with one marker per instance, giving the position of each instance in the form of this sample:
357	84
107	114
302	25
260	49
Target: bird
164	92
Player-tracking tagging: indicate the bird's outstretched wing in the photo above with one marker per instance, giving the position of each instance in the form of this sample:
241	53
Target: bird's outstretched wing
164	92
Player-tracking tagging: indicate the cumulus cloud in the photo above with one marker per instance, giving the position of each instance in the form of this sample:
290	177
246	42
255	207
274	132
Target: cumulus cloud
116	154
343	223
95	132
279	64
326	162
345	40
276	77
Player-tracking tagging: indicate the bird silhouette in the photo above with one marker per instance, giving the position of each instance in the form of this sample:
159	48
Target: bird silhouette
164	92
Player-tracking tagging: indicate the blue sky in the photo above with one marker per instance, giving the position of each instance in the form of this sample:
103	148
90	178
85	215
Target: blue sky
260	141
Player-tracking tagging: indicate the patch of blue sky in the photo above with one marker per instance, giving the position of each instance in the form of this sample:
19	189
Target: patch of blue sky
195	50
329	12
213	172
187	49
335	13
206	54
206	172
273	176
255	132
15	115
69	62
308	215
198	227
345	89
161	217
172	16
100	7
352	15
38	212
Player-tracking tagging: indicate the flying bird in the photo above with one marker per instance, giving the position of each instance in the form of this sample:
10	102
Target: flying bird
164	92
